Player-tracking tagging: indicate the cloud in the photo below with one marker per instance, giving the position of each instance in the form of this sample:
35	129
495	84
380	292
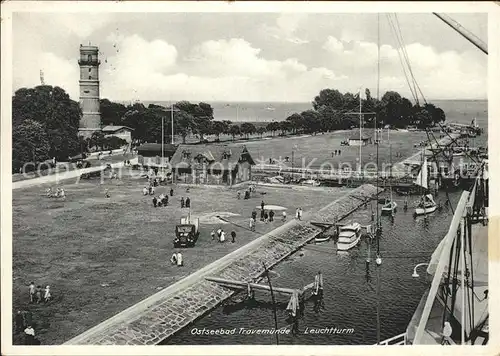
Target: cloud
78	24
286	27
57	71
213	70
446	75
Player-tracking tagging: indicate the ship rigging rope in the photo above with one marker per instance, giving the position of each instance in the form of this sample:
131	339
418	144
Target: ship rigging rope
405	53
398	46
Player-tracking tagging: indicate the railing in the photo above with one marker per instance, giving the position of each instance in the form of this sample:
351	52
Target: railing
395	340
328	172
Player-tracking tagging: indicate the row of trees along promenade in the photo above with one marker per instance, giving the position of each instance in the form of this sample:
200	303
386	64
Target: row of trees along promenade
45	121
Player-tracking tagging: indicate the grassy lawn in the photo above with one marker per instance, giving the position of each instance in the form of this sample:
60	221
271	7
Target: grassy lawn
102	255
312	151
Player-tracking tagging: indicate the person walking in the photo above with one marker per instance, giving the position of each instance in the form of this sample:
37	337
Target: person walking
254	215
262	205
213	234
38	294
171	192
233	236
32	291
188	202
266	216
271	216
299	213
238	194
47	296
283	216
182	202
251	224
179	259
222	236
173	259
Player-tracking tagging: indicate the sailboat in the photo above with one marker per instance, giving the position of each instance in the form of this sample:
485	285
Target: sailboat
427	204
390	206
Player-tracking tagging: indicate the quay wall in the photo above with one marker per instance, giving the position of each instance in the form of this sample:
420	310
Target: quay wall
162	315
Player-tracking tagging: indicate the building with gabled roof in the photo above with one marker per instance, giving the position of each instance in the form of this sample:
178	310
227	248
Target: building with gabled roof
123	132
212	164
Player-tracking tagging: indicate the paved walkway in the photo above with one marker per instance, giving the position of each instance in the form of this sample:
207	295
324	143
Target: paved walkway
170	310
57	177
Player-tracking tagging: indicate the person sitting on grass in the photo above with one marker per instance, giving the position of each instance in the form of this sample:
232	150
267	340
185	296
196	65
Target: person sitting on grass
144	191
106	194
164	201
48	192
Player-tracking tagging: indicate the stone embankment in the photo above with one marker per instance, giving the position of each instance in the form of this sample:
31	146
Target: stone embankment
165	313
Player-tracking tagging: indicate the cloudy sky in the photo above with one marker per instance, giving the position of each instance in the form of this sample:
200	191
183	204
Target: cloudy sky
248	56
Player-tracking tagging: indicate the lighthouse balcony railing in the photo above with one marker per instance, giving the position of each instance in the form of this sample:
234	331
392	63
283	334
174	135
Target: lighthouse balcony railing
86	62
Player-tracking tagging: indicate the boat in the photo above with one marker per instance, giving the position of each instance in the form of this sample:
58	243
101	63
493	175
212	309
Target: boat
349	236
427	204
322	238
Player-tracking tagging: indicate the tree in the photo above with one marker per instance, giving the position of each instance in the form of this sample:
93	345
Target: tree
218	128
295	121
30	143
234	130
97	140
247	129
273	127
55	111
329	97
261	131
202	114
112	113
311	121
183	121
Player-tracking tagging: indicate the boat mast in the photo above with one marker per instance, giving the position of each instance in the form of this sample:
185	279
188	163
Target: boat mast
360	131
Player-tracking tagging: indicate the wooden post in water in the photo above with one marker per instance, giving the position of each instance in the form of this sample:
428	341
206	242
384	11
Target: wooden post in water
273	301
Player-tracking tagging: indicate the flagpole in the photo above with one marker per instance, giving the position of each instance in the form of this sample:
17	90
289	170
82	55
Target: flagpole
172	119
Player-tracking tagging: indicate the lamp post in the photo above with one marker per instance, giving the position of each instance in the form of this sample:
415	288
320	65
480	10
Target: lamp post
415	274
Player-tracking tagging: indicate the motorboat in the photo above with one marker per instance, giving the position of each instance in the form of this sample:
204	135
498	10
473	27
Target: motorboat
349	236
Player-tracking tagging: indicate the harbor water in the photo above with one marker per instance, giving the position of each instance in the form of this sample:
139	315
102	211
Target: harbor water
350	291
